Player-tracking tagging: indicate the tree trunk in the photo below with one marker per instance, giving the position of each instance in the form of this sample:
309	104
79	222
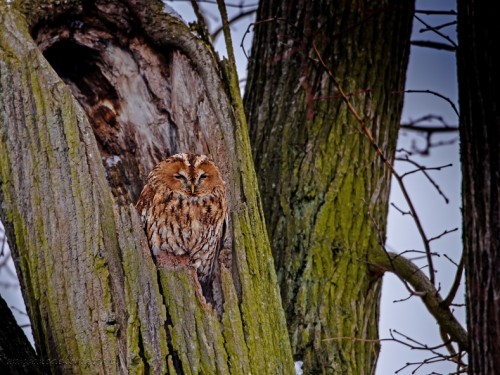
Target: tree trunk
71	170
478	82
321	181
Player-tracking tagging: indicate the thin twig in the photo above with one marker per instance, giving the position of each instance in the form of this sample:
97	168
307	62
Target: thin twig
423	169
437	12
453	106
442	26
445	232
446	339
433	45
416	251
415	344
428	128
425	124
6	285
4	258
201	21
456	283
18	310
228	39
400	210
451	260
4	242
239	16
438	357
252	25
447	38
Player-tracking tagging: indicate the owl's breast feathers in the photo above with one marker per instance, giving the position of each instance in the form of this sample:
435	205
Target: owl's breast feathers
184	225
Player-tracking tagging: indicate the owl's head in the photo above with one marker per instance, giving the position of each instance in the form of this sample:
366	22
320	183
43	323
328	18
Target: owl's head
189	174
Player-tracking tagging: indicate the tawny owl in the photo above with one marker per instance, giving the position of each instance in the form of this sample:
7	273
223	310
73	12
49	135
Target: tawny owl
183	208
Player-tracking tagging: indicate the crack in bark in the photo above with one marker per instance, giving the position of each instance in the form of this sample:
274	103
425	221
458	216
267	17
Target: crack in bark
142	354
176	361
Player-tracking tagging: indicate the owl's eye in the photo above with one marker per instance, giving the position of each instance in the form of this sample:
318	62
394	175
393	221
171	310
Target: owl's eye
179	177
203	176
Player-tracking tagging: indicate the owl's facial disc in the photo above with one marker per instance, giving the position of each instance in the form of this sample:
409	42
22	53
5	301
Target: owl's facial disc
189	183
194	178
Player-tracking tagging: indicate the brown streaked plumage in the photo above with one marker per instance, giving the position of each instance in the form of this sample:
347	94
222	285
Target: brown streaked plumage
183	208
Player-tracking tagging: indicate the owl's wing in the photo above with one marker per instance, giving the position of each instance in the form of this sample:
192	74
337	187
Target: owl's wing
221	244
145	199
211	283
151	197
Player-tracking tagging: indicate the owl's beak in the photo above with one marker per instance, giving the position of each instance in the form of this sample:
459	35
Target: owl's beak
192	188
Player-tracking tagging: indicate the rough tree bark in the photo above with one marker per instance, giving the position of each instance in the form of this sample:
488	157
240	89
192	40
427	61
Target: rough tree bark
321	181
478	82
145	87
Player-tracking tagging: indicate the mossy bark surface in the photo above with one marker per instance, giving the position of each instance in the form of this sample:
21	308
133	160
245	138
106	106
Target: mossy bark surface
322	183
133	85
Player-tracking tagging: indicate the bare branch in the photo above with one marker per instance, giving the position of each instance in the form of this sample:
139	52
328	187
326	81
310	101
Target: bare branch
400	210
414	344
420	168
446	339
433	45
442	26
252	25
418	124
456	283
428	128
429	144
4	243
424	169
437	12
447	38
6	285
236	18
404	299
233	77
22	312
407	270
4	258
438	357
203	28
445	232
451	260
453	106
418	252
